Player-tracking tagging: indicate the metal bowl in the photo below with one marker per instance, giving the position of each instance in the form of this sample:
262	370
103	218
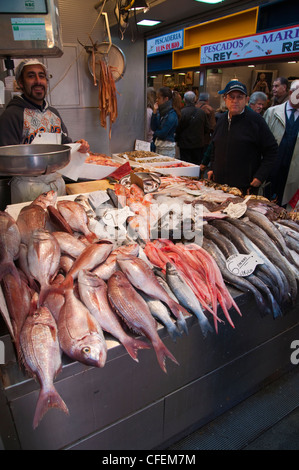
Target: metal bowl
34	159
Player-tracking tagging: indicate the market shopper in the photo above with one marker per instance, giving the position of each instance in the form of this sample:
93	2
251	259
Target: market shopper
191	130
258	101
283	121
151	99
280	91
164	122
244	149
28	115
203	103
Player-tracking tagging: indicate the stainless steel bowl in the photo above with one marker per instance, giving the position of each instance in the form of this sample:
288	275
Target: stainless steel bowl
34	159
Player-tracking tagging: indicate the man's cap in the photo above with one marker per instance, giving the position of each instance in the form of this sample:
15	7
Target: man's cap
233	85
25	62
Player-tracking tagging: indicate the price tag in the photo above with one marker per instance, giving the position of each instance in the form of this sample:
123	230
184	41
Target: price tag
243	265
142	145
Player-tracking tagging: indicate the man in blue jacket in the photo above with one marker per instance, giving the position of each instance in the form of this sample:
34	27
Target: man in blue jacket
244	149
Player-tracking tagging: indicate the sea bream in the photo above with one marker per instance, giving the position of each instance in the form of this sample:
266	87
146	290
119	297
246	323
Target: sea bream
80	334
93	292
109	266
134	311
34	215
42	358
75	215
143	278
92	256
10	240
43	259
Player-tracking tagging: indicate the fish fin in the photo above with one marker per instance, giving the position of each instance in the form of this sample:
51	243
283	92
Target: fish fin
91	237
47	400
162	352
132	346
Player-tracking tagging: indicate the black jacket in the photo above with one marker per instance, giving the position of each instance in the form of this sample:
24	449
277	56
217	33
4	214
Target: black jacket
22	120
192	128
243	149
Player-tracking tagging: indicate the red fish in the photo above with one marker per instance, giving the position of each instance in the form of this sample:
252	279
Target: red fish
134	311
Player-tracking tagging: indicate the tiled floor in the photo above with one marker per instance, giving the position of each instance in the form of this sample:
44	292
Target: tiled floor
268	420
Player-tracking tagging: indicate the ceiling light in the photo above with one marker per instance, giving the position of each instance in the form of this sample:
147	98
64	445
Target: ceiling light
209	1
148	22
251	65
138	5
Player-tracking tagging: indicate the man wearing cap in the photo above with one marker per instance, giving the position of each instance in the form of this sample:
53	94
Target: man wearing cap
28	115
244	149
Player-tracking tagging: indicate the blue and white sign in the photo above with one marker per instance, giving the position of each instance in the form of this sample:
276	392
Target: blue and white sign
167	43
269	44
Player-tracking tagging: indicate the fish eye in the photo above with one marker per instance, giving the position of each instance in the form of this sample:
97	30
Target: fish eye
86	350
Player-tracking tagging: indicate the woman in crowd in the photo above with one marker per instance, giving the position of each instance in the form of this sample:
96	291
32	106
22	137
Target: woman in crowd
164	122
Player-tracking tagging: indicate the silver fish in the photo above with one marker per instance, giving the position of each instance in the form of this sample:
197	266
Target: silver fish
161	313
42	358
186	297
93	293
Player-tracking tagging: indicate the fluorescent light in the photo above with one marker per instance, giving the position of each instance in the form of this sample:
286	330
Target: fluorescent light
209	1
148	22
251	65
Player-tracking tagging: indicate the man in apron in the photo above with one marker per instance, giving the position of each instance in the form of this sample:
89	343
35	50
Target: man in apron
29	119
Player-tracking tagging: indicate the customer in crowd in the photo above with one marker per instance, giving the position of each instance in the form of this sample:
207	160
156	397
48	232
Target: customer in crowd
283	121
262	85
191	130
203	103
280	91
164	122
29	114
258	101
244	149
151	99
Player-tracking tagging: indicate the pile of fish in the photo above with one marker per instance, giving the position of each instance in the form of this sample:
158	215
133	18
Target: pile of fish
64	288
67	289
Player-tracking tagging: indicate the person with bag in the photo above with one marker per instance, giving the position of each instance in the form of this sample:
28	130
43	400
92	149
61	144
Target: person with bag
191	131
164	122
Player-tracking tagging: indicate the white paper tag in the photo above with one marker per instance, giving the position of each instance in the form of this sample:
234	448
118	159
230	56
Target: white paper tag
142	145
243	265
97	198
116	217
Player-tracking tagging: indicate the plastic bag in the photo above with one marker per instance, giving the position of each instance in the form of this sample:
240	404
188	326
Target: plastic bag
28	188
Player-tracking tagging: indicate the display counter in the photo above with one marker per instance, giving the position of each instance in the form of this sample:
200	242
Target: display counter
129	406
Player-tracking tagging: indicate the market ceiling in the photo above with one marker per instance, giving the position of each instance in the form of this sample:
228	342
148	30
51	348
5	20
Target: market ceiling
173	13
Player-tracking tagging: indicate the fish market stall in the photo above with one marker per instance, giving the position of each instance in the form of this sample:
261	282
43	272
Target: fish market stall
218	297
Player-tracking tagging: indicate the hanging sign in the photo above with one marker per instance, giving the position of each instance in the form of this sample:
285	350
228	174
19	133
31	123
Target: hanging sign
265	45
167	43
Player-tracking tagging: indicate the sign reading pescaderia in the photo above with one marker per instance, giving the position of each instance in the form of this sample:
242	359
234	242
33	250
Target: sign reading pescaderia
270	44
167	43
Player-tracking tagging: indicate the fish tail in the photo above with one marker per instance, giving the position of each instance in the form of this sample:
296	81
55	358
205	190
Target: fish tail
162	352
174	332
205	326
179	311
132	346
46	400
